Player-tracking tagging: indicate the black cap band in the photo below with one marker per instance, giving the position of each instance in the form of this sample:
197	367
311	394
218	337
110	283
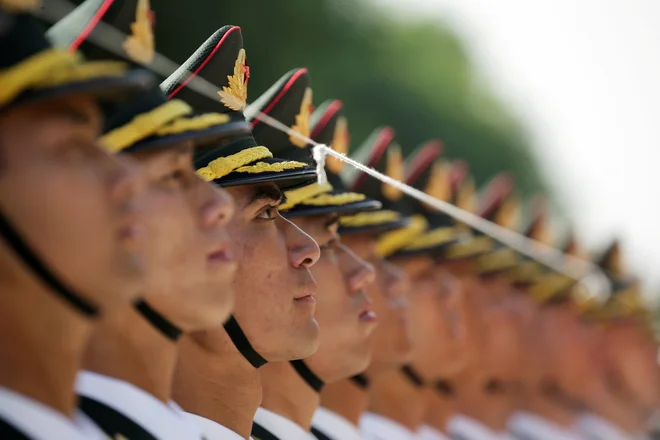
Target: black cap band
412	376
23	251
308	375
361	381
242	344
162	324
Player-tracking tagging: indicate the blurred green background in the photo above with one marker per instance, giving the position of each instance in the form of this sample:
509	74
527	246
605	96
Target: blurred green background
414	76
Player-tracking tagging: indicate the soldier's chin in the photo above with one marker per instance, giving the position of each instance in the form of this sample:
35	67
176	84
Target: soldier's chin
303	344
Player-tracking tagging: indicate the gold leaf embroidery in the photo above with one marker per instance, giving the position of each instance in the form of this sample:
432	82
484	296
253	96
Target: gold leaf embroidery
438	185
265	167
508	215
302	120
234	97
340	142
140	45
466	198
613	261
220	167
20	5
394	169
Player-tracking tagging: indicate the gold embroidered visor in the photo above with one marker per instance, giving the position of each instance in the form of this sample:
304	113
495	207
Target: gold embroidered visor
393	241
250	160
316	199
297	196
51	68
432	239
526	272
168	119
497	260
369	219
468	247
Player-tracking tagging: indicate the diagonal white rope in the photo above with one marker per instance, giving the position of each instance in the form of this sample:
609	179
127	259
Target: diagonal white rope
586	272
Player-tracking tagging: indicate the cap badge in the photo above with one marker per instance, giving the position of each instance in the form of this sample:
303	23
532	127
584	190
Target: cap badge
612	261
466	198
394	169
302	120
340	142
438	185
508	215
140	44
19	5
234	97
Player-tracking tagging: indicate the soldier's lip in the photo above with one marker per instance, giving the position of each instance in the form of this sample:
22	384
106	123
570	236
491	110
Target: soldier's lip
222	254
368	316
308	293
131	232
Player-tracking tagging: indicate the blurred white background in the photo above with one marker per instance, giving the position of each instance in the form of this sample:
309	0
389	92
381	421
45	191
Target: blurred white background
584	75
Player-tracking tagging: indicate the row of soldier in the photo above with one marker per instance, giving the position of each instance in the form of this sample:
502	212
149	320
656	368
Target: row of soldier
159	246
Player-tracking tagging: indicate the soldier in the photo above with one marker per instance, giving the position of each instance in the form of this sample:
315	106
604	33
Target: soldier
343	311
483	390
65	259
626	400
130	363
397	403
344	402
217	378
539	413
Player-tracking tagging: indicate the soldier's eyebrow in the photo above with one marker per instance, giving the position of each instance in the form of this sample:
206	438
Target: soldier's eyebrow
74	114
269	193
332	221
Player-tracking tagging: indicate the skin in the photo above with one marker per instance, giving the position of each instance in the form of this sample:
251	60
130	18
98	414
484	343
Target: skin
457	280
275	305
391	340
59	157
571	348
488	325
275	289
631	354
392	394
428	311
191	261
345	319
391	344
76	206
343	310
630	374
189	273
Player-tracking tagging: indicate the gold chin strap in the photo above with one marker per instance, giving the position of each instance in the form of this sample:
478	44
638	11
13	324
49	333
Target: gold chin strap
296	196
50	68
144	125
393	241
222	166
